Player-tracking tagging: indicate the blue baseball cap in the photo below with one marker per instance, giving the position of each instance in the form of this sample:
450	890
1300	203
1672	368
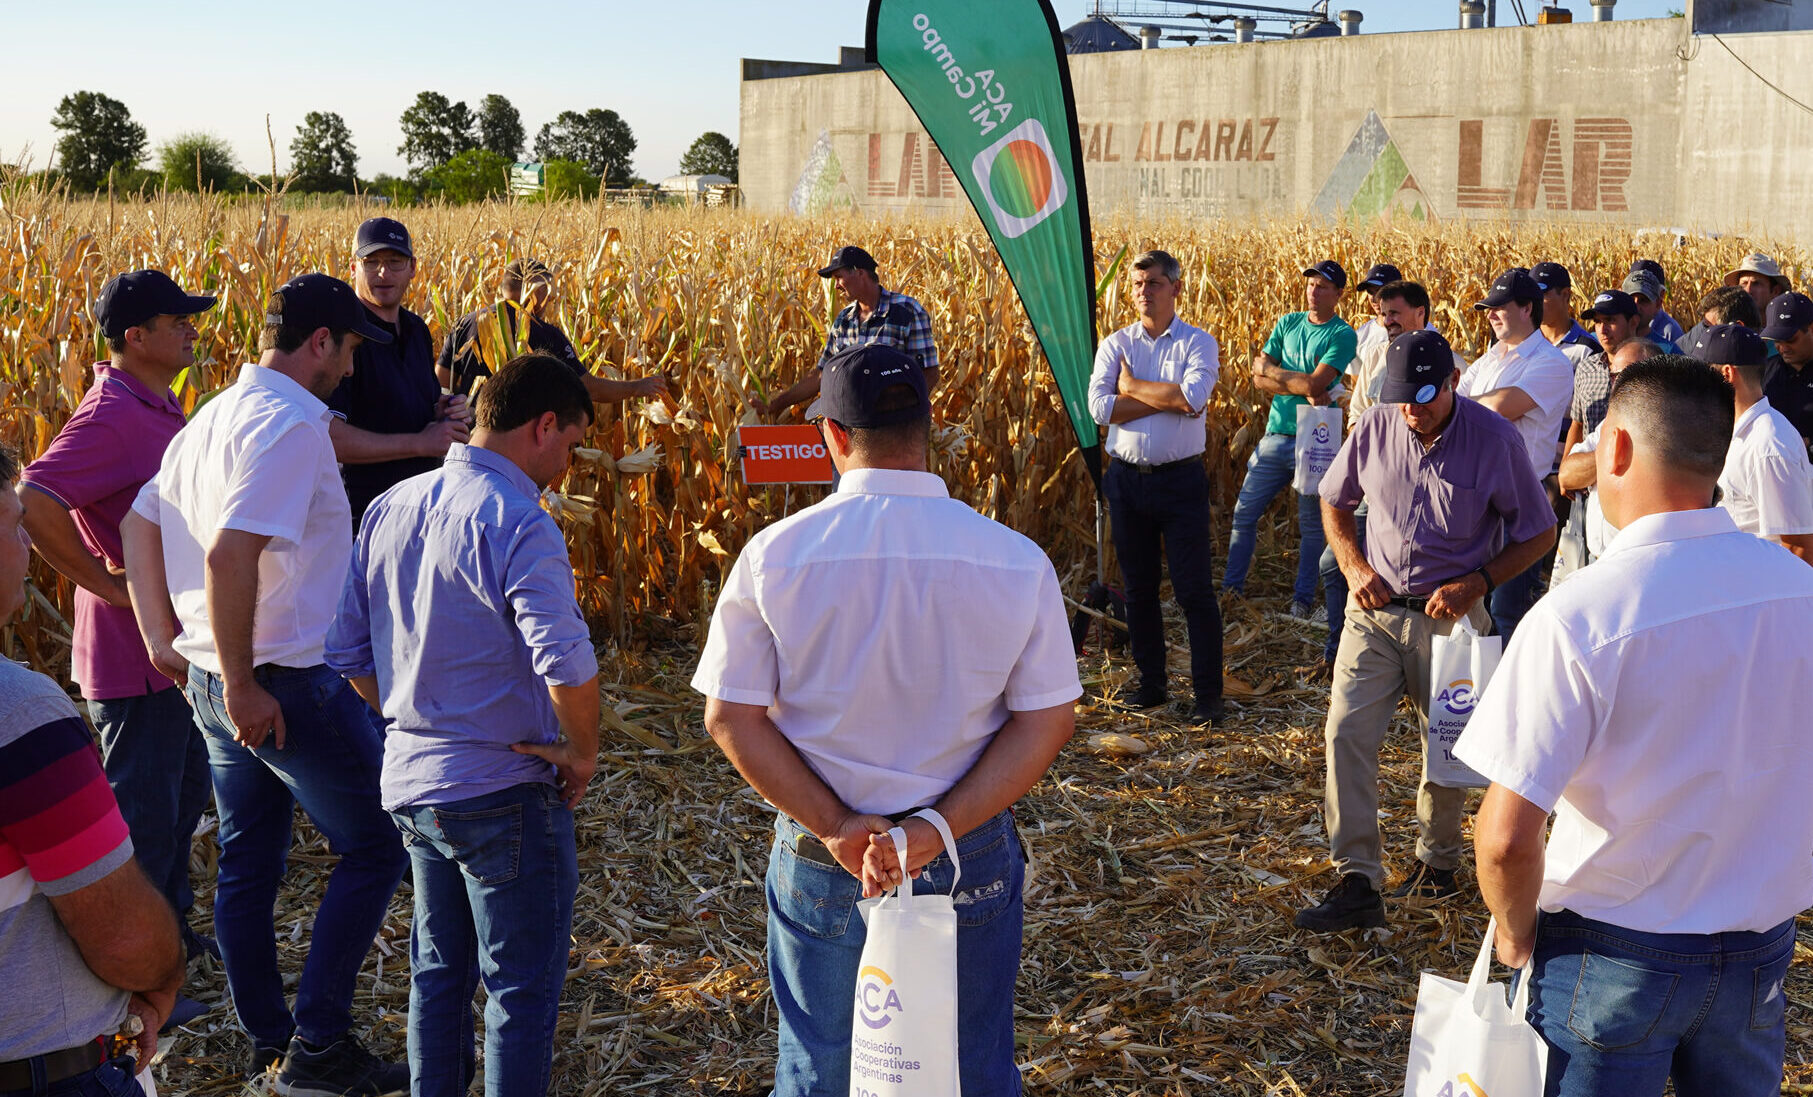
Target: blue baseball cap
1377	275
854	379
129	300
315	301
1552	276
1515	284
847	256
380	233
1611	302
1328	269
1788	316
1416	364
1650	266
1732	345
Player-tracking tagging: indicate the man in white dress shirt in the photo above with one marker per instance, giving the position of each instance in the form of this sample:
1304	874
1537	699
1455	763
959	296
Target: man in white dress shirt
1652	709
1767	485
1151	382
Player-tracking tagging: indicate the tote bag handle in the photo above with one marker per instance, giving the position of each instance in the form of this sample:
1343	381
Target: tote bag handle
904	893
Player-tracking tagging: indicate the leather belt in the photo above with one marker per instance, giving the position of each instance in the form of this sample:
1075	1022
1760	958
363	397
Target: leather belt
57	1065
1147	470
1415	603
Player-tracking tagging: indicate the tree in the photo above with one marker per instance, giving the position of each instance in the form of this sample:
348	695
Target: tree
322	156
403	192
599	139
192	161
711	154
435	131
98	135
566	179
472	176
500	127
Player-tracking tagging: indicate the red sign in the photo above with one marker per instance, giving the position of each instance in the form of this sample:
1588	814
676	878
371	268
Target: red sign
787	454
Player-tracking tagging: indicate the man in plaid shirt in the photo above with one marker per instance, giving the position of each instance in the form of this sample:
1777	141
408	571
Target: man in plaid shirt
874	315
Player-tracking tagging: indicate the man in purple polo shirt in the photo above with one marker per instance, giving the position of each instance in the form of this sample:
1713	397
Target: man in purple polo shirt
74	496
1454	509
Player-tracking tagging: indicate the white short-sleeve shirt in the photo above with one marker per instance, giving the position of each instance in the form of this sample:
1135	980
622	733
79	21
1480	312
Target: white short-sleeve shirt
1767	484
890	630
1544	374
1655	702
1598	530
255	458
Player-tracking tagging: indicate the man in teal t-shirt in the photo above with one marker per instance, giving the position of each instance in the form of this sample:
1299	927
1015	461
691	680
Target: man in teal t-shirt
1305	355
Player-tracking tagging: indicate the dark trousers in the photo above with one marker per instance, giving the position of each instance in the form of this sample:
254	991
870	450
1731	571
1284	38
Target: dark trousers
1169	509
1334	587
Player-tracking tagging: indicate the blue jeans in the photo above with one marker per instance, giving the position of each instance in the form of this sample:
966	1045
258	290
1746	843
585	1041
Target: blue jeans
114	1078
1334	587
1268	472
329	764
1513	598
1168	507
815	939
494	882
1624	1011
157	765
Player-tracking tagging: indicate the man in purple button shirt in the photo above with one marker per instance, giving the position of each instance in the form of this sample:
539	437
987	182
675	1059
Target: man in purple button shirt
1454	508
74	496
458	623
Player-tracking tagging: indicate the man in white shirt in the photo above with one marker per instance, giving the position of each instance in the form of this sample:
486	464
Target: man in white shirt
1652	710
1767	485
235	554
1529	381
886	650
1578	471
1151	382
1373	331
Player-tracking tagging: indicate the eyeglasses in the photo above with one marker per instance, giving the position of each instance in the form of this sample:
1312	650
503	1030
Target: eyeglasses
375	263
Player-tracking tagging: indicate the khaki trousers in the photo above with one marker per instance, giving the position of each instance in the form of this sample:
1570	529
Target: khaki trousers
1384	654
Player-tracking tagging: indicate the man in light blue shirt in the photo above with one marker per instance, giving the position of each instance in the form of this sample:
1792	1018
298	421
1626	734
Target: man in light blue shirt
1151	382
458	623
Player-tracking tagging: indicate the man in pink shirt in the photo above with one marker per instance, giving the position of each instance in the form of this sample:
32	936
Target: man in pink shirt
74	496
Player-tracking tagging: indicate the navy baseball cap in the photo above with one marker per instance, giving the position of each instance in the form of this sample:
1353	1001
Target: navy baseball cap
1552	276
847	256
1788	316
1515	284
854	379
1732	345
314	301
1416	364
1611	302
1330	270
1377	275
379	233
1650	266
128	300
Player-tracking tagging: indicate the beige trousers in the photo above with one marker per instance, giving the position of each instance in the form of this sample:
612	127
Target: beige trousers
1384	654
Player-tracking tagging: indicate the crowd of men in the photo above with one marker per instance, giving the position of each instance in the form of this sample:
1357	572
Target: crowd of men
334	588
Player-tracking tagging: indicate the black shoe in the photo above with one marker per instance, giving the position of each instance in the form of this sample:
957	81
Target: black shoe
342	1069
1146	697
263	1060
1207	714
1427	882
1351	904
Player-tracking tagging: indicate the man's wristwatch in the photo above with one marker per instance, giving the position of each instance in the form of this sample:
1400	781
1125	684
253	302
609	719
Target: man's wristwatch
1487	576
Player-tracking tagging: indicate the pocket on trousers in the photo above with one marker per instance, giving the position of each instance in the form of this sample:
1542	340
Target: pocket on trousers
487	844
1768	994
990	882
1618	1004
819	900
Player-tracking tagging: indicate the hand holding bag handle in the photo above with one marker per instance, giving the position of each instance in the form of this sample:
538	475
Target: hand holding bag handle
1479	983
931	816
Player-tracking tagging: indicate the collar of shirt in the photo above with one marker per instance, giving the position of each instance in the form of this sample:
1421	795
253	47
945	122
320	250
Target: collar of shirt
286	387
892	482
461	453
105	372
1576	334
1671	525
1138	328
1750	415
853	311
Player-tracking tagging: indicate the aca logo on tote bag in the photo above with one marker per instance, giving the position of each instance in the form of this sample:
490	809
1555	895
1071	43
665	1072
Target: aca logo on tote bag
1020	178
1459	697
877	1002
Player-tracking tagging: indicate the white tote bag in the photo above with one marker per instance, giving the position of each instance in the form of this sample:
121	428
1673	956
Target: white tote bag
1318	440
1466	1042
1460	664
903	1039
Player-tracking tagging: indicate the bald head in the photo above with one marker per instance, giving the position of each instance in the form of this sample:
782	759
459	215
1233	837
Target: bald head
1632	351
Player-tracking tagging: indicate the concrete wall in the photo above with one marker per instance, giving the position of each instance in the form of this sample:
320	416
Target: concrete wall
1627	121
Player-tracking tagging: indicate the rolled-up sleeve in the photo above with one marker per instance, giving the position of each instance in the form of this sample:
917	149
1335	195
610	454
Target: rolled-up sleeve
740	663
1201	369
1104	381
1045	673
349	651
538	582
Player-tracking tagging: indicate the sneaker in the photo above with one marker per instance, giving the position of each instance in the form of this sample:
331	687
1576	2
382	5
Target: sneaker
341	1069
262	1061
1314	615
1207	714
1351	904
1427	882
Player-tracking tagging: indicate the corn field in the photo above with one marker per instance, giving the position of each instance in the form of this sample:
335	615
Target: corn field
728	304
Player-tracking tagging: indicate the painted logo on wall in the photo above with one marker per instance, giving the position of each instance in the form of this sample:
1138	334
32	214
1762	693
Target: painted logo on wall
1019	177
1372	181
876	999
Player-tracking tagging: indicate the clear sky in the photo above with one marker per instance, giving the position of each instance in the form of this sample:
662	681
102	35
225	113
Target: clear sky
670	69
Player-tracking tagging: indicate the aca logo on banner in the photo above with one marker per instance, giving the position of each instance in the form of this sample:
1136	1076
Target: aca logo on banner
1459	697
1020	177
876	999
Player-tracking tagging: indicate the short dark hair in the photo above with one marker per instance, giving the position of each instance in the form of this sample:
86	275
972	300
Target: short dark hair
117	343
9	467
1535	304
1411	293
525	270
898	438
1681	408
286	338
1733	306
1163	261
528	387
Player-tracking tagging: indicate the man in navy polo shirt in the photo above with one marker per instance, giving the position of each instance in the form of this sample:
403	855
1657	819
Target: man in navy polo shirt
1646	290
390	420
1662	327
1788	381
1558	323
